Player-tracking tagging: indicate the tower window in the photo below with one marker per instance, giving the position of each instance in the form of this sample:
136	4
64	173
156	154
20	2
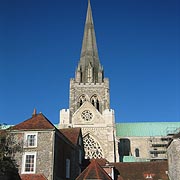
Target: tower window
95	101
82	99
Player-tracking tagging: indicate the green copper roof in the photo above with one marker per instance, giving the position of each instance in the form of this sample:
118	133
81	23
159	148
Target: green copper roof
147	129
134	159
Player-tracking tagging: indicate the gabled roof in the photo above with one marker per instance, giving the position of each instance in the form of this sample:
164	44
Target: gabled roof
36	122
33	177
93	171
72	134
142	170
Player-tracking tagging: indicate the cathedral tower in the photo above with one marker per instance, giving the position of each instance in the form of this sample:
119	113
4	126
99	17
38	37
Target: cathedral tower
89	101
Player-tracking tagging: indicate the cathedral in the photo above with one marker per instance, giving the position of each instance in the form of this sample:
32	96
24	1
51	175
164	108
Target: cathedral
88	130
89	109
89	100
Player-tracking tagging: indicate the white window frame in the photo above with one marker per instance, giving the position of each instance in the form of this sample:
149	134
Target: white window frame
24	162
68	166
26	139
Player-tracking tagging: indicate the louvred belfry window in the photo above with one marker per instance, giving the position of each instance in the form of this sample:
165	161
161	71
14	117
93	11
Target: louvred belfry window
92	148
95	101
82	99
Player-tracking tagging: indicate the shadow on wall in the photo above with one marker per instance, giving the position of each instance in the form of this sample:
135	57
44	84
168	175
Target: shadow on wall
124	148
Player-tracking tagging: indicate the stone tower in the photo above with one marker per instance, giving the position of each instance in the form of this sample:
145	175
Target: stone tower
89	103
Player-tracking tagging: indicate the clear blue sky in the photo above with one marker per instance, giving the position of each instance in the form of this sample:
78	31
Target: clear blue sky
138	43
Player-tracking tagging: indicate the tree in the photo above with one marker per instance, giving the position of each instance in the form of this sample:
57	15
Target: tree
8	147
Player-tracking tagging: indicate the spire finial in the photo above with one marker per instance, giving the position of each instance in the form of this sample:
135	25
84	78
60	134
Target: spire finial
34	112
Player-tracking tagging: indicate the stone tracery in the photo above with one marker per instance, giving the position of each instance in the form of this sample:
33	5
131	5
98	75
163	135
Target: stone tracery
92	148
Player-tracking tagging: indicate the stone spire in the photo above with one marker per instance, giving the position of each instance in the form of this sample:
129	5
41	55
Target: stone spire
89	69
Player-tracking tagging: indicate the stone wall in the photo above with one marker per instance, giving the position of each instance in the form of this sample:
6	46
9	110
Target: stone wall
174	159
44	150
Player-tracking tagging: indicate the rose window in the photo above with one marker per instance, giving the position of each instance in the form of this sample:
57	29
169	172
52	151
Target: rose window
87	115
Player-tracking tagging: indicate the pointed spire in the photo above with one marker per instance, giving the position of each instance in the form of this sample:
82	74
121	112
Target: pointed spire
89	51
89	40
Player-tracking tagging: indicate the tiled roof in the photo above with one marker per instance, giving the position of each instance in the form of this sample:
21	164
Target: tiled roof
33	177
102	161
93	171
36	122
142	170
72	134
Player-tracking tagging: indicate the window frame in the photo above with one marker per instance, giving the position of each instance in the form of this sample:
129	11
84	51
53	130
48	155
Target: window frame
24	162
26	139
68	168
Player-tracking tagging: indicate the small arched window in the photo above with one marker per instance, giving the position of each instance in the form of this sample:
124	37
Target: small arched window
137	152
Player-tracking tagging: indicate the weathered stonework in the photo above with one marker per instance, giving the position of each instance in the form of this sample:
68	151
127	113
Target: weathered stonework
173	152
44	150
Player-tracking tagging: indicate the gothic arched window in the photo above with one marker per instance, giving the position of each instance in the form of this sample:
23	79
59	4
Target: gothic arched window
95	101
92	148
81	100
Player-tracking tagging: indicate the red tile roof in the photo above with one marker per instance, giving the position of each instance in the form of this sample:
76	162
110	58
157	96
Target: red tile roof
36	122
102	161
141	170
72	134
33	177
94	171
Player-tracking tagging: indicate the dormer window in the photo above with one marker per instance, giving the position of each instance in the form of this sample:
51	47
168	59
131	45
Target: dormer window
31	140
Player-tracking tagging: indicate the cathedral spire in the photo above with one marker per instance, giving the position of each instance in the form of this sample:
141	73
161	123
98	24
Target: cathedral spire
89	53
89	39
